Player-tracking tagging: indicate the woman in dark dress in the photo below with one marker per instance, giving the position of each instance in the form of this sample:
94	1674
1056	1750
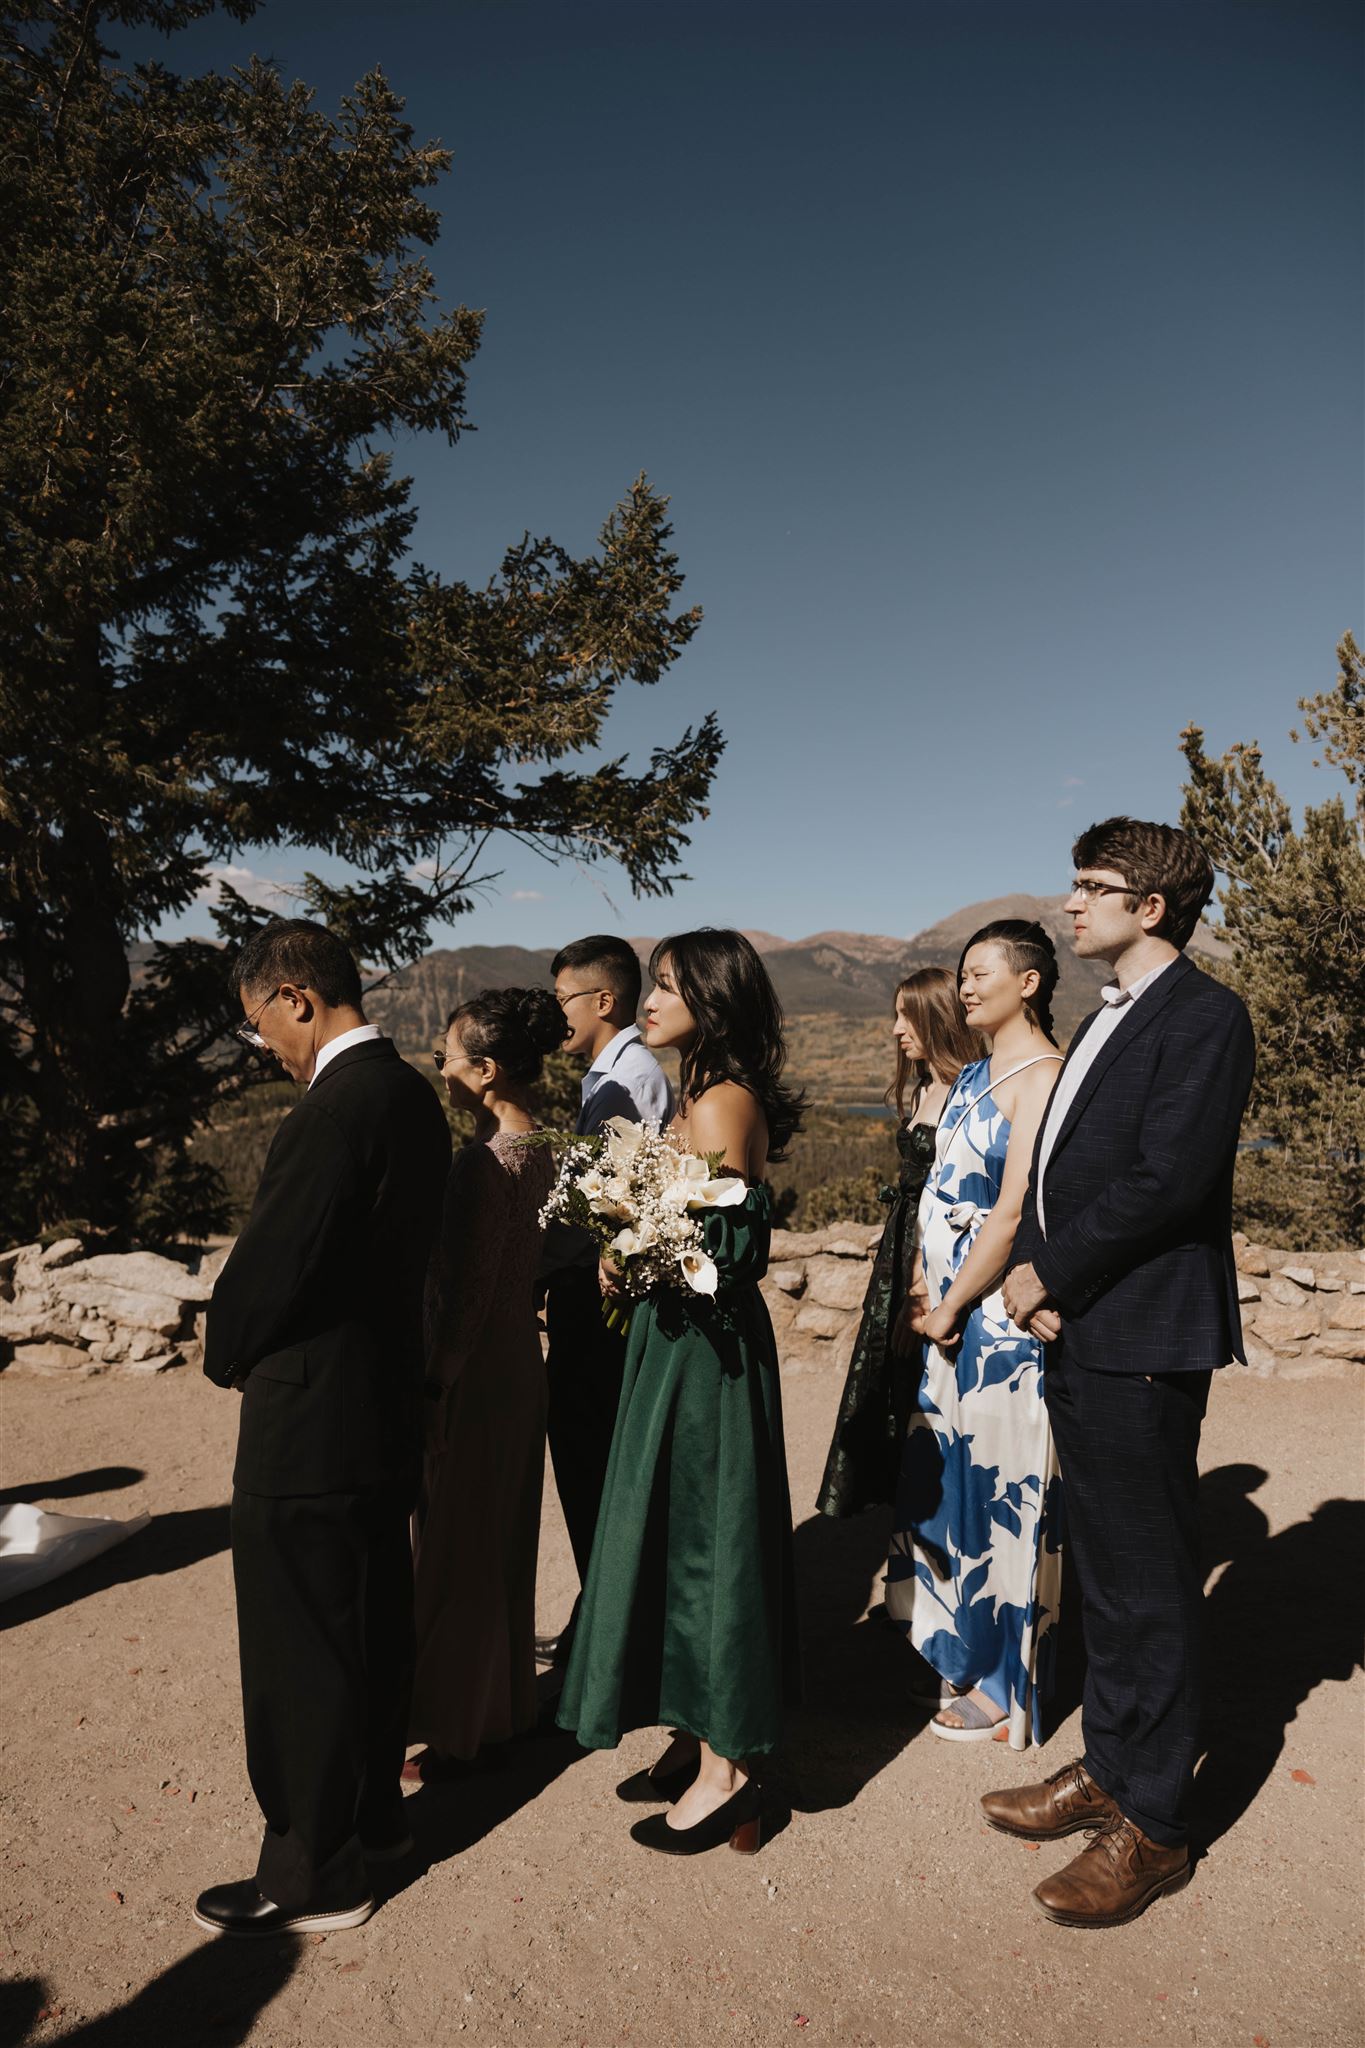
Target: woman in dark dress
478	1523
689	1608
933	1044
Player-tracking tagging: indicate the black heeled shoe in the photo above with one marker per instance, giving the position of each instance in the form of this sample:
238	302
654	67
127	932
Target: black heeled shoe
648	1788
739	1822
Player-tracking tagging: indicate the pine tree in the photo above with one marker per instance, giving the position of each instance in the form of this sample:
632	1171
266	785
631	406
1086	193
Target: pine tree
1294	912
218	318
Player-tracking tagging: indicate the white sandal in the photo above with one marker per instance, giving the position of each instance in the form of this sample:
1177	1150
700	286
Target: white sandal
976	1724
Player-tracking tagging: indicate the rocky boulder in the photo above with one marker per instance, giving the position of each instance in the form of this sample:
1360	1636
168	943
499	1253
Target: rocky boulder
61	1311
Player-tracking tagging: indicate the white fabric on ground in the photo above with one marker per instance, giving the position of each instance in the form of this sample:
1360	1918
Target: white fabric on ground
36	1546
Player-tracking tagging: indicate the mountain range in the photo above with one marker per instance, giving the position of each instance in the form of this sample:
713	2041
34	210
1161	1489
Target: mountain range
829	974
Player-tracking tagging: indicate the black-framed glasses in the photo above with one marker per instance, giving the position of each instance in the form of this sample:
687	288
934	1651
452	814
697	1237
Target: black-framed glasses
575	993
1092	889
248	1033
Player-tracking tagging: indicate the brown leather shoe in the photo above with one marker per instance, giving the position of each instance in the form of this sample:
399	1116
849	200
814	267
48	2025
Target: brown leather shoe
1068	1800
1116	1876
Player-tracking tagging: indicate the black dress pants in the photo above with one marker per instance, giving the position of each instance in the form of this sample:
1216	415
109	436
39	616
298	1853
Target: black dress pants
585	1363
324	1624
1128	1448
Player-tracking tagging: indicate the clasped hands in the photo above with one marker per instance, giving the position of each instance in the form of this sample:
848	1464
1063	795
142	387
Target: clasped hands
1027	1305
917	1321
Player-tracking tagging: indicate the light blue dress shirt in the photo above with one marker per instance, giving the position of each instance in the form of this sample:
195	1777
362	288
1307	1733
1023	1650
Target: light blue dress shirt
625	1080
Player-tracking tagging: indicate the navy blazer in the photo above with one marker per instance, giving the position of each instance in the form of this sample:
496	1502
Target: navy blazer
319	1306
1138	1197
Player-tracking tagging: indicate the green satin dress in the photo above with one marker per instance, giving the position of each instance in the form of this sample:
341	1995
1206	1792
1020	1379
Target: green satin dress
688	1616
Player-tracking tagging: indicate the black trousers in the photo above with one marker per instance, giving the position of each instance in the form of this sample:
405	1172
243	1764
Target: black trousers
584	1364
1128	1448
324	1625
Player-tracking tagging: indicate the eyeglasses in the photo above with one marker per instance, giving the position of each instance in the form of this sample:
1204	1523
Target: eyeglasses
1093	889
248	1033
441	1059
574	994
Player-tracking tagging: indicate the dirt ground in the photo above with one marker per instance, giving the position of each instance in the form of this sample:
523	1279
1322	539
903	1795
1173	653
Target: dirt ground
882	1914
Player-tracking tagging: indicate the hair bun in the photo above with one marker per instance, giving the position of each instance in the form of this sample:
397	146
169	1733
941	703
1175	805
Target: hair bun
541	1018
514	1026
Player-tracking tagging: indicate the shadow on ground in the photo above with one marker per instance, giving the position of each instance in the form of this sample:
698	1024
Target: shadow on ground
1286	1615
168	1544
856	1715
76	1485
211	1998
448	1819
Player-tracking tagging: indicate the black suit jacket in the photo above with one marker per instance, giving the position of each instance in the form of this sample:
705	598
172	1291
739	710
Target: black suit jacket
1138	1195
320	1303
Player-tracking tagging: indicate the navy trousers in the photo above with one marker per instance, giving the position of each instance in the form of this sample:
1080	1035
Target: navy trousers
1128	1448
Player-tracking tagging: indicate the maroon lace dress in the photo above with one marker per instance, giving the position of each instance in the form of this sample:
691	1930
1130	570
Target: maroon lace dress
478	1524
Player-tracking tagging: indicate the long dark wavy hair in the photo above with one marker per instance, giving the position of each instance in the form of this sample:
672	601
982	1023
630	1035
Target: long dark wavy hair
740	1034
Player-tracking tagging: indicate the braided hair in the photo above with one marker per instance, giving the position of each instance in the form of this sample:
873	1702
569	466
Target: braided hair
1027	947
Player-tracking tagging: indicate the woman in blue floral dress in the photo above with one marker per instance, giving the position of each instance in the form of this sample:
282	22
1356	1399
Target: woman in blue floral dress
975	1563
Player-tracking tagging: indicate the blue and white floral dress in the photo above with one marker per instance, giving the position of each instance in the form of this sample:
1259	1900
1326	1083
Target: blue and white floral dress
975	1567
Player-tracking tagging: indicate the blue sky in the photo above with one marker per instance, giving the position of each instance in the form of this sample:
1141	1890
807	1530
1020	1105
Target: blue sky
1002	363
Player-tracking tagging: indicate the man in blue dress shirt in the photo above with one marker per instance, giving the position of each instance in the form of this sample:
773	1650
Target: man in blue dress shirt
597	985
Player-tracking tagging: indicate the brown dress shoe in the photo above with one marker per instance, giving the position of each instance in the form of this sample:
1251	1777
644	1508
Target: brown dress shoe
1116	1876
1068	1800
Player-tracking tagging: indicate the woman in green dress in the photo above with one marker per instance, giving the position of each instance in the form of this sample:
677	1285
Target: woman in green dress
688	1616
933	1044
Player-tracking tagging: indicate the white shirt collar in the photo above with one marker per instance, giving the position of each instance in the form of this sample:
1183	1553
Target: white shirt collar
361	1035
1116	997
629	1034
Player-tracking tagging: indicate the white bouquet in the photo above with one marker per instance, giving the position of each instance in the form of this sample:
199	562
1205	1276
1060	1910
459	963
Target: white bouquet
642	1200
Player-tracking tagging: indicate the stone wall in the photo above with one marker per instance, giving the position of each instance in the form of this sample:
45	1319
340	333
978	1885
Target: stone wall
1302	1312
814	1291
62	1313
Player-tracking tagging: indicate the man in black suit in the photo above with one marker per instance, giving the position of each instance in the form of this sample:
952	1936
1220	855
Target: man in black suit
317	1320
1123	1264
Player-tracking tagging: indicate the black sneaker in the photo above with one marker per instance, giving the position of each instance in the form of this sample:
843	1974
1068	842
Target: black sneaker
243	1909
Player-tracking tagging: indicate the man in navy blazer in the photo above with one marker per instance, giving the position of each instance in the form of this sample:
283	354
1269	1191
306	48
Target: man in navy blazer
1123	1264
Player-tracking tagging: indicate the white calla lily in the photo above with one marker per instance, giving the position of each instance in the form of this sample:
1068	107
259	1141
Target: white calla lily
699	1271
634	1239
623	1141
691	1167
727	1191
